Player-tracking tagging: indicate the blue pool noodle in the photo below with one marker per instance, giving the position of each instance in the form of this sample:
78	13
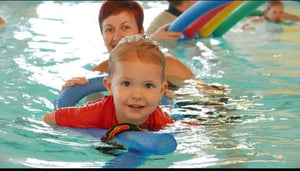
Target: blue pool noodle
72	95
148	142
194	12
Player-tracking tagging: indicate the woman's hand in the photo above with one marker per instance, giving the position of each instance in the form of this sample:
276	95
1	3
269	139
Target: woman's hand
75	81
161	34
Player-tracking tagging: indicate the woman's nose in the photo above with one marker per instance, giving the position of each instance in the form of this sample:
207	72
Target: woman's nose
118	35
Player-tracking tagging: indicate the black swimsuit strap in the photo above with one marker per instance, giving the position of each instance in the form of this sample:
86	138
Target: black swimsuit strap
174	11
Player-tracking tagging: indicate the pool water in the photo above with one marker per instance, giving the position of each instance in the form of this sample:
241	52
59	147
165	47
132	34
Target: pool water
45	43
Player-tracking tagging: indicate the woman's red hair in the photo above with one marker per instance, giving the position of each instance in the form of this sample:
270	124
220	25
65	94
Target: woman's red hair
109	8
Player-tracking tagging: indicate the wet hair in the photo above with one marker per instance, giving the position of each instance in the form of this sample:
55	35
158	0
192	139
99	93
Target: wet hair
109	8
270	4
145	49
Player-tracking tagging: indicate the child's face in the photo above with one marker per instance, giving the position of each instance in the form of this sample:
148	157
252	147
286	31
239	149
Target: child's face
115	27
275	13
137	88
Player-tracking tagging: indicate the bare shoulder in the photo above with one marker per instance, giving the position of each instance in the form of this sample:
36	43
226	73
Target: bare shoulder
102	67
173	62
176	70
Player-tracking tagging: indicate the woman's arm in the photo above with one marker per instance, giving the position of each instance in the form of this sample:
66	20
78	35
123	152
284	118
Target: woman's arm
161	34
176	71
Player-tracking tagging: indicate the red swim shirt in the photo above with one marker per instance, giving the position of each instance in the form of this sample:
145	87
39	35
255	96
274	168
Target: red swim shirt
101	114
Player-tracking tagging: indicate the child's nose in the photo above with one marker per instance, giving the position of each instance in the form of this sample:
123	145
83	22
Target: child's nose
137	94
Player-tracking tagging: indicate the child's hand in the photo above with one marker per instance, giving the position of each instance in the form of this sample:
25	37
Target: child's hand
49	118
75	81
247	26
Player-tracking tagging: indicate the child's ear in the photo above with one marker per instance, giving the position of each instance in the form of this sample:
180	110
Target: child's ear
164	88
107	85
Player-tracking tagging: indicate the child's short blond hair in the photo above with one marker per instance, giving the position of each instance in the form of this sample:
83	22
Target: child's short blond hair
145	49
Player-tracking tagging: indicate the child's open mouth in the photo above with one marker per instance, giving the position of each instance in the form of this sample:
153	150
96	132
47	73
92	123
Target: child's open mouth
136	107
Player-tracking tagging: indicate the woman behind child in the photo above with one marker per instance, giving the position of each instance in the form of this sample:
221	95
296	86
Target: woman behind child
118	19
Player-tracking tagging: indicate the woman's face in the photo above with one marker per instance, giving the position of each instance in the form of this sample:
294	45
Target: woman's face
115	27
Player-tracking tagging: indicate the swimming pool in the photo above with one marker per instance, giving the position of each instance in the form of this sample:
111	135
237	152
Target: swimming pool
46	43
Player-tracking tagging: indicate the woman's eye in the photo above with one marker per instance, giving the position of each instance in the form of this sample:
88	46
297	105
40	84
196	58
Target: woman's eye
125	27
149	85
126	83
107	30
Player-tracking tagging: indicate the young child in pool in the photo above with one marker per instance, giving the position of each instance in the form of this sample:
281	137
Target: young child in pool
274	12
135	84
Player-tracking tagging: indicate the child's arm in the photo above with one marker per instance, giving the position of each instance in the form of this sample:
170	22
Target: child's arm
248	24
49	118
289	16
258	19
